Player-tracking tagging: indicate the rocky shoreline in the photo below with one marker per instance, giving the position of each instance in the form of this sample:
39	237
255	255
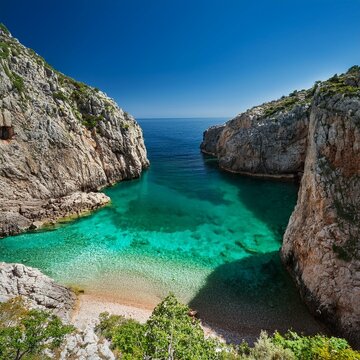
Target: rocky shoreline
313	135
19	216
61	142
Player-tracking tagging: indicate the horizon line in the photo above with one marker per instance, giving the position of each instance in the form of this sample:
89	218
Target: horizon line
183	117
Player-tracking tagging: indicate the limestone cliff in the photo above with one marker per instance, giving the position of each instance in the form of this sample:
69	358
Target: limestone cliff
321	247
267	140
60	141
37	289
322	242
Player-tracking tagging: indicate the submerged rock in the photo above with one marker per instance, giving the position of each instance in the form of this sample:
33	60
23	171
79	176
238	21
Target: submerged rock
60	141
317	133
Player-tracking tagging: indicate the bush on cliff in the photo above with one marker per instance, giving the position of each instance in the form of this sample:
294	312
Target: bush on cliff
26	334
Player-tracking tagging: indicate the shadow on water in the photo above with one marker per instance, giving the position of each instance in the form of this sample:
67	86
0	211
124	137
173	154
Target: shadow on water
253	294
270	201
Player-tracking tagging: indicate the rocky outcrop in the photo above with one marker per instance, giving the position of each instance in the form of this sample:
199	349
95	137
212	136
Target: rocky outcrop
267	140
211	138
41	292
36	288
17	216
322	242
59	141
86	345
321	247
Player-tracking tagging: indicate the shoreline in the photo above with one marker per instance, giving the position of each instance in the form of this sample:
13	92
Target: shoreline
88	307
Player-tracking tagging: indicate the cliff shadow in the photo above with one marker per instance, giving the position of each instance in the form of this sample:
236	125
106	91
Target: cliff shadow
252	294
271	201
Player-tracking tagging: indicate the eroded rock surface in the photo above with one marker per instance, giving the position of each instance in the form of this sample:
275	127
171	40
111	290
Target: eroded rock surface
267	140
38	289
317	134
58	137
322	242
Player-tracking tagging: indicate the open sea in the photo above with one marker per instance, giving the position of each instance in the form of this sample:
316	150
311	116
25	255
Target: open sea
210	237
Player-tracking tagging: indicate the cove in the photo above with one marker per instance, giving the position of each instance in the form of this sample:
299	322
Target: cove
210	237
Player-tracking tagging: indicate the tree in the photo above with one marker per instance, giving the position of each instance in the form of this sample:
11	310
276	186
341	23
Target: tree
169	334
27	332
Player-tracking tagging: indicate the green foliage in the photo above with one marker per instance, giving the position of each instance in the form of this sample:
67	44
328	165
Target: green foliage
90	121
59	95
170	333
25	334
4	29
130	339
16	79
4	50
18	82
107	323
316	347
342	84
354	69
265	349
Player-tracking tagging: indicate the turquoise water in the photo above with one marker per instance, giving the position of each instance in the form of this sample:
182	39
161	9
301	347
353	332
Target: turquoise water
210	237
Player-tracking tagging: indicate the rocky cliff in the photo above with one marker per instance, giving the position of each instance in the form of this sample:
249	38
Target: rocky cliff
60	142
321	247
37	289
40	292
267	140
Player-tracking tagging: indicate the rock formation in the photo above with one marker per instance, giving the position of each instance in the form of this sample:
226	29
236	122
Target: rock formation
39	290
321	247
61	141
267	140
322	242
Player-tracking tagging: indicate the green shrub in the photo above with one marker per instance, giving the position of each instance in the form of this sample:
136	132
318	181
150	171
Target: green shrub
18	82
4	50
107	323
25	334
16	79
90	121
170	333
265	349
4	29
130	340
59	95
316	347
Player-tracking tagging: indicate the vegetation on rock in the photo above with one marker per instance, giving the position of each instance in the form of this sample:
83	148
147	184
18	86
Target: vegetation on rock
27	333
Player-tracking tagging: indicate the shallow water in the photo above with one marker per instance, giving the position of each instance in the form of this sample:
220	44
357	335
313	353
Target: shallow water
210	237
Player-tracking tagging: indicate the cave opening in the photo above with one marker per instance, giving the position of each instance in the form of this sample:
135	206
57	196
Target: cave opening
6	132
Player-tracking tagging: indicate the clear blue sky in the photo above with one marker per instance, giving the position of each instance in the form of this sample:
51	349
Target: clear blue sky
185	58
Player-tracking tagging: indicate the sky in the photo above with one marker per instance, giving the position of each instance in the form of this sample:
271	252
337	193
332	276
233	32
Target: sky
190	58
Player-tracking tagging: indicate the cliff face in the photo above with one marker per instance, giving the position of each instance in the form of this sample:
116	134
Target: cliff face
321	247
36	288
267	140
60	140
322	242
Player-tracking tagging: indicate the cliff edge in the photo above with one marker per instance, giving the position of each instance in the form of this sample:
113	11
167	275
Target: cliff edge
61	141
317	135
